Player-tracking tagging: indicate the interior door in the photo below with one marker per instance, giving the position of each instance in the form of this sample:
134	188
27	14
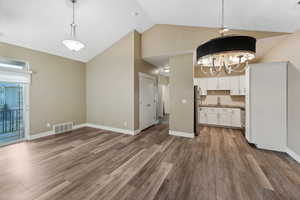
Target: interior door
148	103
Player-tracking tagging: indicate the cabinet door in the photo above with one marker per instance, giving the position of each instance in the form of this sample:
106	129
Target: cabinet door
225	117
236	120
203	118
234	85
212	118
223	83
196	80
242	85
203	86
212	83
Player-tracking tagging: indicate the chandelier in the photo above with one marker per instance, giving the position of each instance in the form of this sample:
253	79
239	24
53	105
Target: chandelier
229	53
72	43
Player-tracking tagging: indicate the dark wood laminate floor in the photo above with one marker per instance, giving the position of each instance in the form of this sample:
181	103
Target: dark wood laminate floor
91	164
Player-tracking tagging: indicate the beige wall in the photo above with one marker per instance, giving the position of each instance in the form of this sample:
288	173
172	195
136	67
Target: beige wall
113	84
163	40
181	88
288	50
110	86
57	92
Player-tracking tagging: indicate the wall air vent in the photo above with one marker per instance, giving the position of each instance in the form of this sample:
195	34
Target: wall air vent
62	128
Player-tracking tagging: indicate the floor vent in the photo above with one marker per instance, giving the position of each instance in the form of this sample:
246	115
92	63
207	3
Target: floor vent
62	128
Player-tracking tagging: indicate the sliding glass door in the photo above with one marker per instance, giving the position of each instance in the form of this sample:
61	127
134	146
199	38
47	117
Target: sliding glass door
12	126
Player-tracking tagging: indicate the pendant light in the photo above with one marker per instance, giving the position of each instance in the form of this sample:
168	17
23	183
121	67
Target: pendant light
72	43
230	53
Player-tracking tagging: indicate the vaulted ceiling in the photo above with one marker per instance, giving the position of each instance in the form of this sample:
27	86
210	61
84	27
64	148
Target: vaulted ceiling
42	25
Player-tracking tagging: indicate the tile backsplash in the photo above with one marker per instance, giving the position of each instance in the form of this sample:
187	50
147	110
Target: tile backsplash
224	98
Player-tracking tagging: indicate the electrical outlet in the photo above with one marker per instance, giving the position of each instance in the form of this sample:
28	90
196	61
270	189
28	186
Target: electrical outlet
48	125
125	124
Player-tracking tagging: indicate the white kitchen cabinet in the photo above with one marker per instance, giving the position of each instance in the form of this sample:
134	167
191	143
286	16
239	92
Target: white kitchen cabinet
236	118
203	118
272	106
212	84
223	83
212	118
234	85
196	81
242	85
238	85
203	86
225	117
229	117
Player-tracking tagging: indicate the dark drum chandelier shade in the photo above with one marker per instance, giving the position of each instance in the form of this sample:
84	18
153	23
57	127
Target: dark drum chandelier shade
227	44
226	52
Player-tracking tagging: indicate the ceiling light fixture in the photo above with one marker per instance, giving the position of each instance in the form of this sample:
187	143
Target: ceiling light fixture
230	53
72	43
166	69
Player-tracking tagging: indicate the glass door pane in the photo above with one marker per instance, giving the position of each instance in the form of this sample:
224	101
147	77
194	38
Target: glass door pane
11	112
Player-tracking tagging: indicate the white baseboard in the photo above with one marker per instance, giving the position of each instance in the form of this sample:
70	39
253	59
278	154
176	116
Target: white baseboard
49	133
80	126
40	135
117	130
294	155
271	148
137	132
181	134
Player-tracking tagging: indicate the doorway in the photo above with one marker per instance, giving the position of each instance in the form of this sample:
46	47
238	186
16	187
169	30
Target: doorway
14	101
147	101
12	126
163	99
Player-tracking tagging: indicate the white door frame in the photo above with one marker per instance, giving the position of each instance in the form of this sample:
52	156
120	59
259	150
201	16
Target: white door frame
26	95
141	76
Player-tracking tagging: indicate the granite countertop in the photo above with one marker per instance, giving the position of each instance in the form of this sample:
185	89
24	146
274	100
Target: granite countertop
221	106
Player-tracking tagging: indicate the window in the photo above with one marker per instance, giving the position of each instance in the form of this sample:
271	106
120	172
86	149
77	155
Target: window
13	64
2	96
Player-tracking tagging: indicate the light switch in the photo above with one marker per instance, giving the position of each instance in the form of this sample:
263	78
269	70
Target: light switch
184	101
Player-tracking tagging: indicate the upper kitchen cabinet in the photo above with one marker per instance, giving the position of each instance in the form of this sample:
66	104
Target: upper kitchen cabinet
212	83
242	85
235	84
202	85
224	83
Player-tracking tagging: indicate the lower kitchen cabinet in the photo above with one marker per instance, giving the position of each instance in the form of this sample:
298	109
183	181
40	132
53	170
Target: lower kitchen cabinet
228	117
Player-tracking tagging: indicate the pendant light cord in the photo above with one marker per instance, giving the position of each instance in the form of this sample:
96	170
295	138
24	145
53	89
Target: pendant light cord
223	10
73	12
73	25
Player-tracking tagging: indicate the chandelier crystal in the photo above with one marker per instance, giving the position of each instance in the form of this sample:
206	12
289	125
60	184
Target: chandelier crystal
73	43
228	53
